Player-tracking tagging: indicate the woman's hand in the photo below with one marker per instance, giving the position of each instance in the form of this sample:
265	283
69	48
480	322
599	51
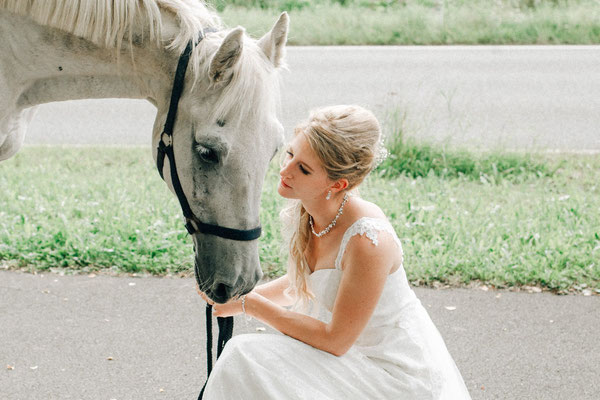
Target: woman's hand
229	309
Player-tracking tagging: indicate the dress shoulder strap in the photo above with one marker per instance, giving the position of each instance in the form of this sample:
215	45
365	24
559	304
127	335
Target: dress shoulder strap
368	226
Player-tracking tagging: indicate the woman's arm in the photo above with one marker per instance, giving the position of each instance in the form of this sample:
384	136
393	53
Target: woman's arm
366	269
274	291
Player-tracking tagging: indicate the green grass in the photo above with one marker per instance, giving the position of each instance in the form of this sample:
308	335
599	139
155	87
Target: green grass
88	208
422	159
422	22
542	232
104	209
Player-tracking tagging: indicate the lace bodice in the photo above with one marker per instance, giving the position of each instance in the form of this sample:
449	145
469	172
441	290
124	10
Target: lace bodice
365	226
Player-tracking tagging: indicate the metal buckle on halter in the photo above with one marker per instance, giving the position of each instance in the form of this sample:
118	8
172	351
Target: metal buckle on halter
166	139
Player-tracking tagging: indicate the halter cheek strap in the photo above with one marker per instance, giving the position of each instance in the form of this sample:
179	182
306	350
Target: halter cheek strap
165	149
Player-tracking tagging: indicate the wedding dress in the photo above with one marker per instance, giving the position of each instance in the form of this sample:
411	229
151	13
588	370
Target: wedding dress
399	355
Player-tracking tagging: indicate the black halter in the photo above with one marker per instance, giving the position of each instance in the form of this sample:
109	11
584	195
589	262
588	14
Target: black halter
193	224
165	148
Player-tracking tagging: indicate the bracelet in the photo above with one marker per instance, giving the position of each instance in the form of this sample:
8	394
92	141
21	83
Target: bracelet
243	298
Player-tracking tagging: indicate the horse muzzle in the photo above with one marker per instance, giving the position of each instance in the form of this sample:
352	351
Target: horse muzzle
225	269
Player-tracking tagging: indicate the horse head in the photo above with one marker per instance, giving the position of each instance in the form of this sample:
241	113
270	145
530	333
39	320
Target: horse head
226	128
225	133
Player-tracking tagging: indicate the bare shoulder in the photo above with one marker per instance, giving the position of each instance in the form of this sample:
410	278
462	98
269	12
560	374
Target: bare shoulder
377	254
372	250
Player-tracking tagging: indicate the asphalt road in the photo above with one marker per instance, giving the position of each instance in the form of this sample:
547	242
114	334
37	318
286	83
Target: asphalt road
82	337
509	97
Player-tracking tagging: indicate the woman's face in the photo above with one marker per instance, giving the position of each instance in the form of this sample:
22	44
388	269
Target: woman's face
302	174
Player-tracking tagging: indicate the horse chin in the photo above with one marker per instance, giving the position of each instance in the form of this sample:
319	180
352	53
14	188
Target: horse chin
225	269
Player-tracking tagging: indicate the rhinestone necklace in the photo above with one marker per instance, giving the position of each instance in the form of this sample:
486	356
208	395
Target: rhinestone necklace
332	224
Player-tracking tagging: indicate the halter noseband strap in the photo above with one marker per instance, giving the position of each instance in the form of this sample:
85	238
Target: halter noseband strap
165	148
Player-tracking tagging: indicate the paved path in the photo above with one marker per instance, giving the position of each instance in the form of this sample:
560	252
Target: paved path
522	97
58	333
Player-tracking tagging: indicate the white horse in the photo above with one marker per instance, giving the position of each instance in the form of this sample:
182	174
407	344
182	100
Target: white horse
226	130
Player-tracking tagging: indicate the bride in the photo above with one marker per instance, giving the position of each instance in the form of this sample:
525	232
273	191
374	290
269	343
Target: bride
352	327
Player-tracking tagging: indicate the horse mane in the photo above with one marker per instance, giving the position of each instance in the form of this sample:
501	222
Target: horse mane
107	23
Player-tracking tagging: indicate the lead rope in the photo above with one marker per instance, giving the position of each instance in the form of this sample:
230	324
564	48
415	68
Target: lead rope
225	333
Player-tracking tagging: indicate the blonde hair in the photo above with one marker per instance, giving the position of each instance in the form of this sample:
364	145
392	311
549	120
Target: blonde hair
347	141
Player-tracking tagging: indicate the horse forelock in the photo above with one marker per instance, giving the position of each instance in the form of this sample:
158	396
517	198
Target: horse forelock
253	90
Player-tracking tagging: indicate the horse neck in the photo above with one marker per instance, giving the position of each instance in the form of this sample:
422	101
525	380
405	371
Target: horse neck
42	64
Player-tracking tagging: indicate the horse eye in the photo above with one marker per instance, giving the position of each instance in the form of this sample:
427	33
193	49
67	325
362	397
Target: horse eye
208	155
221	123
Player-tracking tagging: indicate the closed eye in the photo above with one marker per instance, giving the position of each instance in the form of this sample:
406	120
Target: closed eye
302	169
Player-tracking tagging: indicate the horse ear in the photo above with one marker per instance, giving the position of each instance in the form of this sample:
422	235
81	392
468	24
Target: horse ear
227	56
273	42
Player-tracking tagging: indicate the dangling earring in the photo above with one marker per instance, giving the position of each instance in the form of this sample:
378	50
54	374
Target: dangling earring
328	195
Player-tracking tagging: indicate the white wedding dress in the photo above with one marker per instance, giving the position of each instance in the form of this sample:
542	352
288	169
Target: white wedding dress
399	355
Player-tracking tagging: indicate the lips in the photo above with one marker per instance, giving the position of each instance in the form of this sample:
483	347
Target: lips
284	185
